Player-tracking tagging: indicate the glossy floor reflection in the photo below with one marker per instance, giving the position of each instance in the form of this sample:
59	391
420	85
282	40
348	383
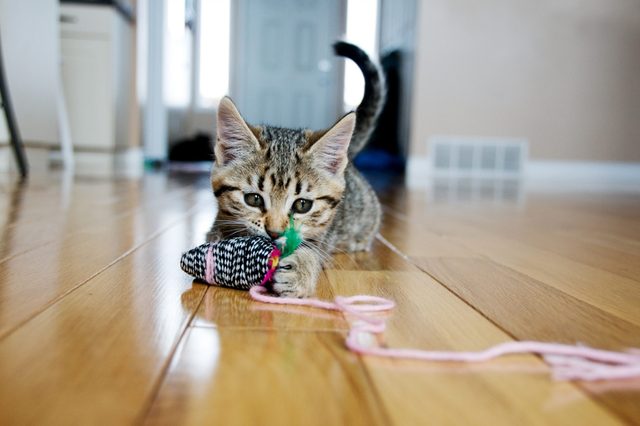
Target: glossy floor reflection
99	326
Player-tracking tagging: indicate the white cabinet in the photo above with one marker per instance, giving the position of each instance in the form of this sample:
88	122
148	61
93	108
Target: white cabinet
96	73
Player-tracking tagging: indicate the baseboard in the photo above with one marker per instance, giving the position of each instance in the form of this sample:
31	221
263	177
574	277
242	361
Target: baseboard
125	163
122	163
130	162
541	173
584	171
37	159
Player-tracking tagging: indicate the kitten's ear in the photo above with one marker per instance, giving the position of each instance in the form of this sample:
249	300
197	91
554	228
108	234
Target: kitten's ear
234	137
330	151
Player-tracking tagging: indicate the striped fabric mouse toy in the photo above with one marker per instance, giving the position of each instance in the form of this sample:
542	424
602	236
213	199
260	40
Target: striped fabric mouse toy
241	262
248	263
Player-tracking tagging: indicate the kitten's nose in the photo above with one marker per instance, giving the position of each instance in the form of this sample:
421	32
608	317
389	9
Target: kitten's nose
273	234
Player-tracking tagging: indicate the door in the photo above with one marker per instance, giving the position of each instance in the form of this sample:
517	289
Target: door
284	71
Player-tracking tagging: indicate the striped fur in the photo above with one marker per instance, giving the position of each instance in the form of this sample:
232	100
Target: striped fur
284	165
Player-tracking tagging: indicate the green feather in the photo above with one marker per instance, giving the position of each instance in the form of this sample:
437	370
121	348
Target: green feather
292	237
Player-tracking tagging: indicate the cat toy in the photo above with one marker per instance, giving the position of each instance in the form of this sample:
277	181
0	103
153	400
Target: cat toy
248	263
241	262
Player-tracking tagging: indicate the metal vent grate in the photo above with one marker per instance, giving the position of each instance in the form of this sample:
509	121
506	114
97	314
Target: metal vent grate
478	156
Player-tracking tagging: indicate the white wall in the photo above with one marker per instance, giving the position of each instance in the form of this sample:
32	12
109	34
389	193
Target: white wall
563	74
30	47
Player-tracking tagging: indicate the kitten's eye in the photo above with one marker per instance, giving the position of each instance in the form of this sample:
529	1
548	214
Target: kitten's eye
302	206
254	200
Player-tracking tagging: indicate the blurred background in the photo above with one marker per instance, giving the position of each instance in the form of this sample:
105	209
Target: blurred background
496	88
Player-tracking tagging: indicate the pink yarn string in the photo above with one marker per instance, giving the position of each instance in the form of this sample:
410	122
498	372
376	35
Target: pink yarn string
567	362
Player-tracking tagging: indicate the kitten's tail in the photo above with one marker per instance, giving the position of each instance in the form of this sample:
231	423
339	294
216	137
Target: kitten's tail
374	93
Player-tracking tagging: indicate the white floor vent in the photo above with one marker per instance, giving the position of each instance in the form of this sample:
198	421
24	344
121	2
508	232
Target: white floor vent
478	156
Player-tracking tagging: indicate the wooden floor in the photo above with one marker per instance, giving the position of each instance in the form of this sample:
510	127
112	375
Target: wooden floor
98	325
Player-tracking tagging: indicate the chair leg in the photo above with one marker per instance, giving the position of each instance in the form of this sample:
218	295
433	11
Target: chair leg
14	134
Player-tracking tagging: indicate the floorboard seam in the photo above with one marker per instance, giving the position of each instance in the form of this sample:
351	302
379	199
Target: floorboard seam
25	251
374	389
118	216
532	245
361	363
456	295
59	298
588	394
164	370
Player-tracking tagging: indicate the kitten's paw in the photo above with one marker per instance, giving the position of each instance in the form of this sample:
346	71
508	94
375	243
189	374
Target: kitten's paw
296	275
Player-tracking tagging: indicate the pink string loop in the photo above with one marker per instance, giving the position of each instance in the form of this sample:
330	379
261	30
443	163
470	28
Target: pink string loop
567	362
363	303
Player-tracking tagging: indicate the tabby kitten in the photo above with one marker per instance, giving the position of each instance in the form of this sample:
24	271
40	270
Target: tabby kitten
264	174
